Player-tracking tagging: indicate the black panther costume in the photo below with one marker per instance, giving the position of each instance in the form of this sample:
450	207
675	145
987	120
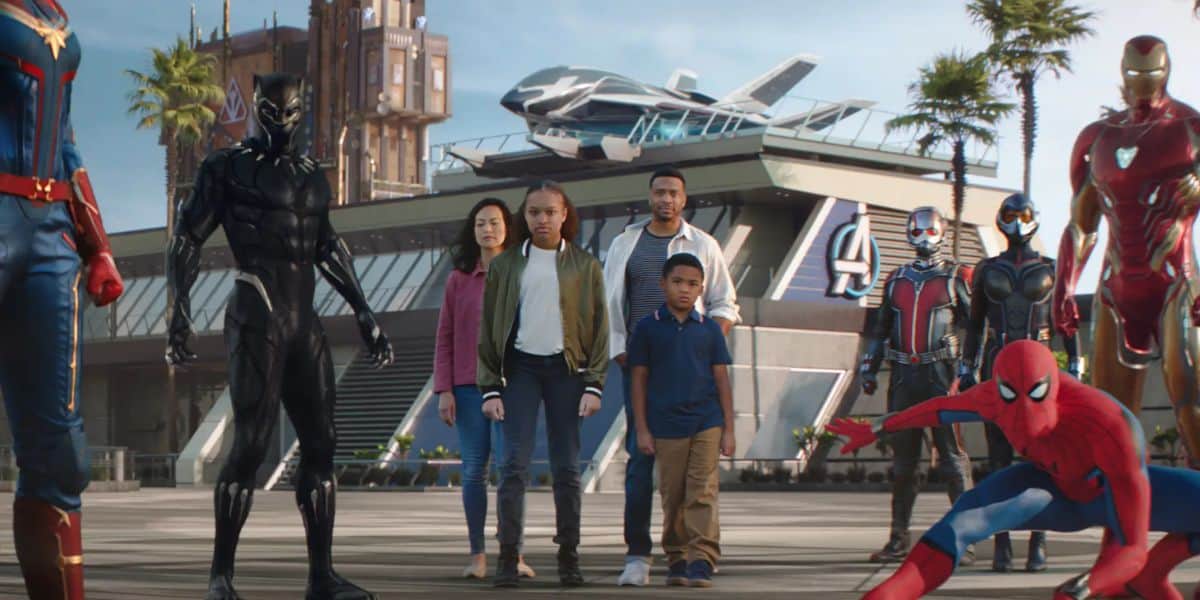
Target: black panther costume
1011	301
274	206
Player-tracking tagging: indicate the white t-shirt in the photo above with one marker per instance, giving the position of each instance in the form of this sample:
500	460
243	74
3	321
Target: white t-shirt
541	329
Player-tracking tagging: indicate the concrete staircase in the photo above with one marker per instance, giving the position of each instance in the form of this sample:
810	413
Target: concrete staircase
371	402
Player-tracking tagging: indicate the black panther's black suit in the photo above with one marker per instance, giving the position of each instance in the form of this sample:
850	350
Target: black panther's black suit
274	206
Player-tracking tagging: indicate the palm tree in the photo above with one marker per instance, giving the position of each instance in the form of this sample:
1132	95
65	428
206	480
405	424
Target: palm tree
953	101
176	97
1028	39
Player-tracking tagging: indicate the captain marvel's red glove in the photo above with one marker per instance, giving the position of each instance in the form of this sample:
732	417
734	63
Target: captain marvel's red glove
104	283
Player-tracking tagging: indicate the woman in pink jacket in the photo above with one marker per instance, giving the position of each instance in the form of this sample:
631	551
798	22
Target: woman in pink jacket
484	235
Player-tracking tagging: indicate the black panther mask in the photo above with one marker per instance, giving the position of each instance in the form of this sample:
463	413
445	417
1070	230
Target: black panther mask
278	107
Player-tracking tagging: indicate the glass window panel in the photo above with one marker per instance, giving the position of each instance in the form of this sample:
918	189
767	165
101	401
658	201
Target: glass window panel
153	310
214	310
204	284
393	279
321	293
133	287
370	280
705	217
206	304
141	304
419	267
96	322
612	228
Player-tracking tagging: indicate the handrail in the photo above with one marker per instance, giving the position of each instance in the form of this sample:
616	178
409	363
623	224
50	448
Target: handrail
863	128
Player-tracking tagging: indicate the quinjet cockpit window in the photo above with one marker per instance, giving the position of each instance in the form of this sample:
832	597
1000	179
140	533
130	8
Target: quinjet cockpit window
543	77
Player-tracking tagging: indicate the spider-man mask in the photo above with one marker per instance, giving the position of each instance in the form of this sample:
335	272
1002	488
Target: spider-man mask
1026	377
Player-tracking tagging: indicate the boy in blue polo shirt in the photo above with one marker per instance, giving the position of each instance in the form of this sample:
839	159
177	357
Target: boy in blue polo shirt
683	411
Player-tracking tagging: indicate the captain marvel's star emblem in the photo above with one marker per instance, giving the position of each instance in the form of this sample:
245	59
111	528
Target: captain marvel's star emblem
1125	156
55	38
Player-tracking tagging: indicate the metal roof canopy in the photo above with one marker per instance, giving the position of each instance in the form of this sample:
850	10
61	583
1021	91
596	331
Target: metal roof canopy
742	168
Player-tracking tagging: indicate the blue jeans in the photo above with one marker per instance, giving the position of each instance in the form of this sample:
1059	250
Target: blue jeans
639	483
479	439
533	380
41	318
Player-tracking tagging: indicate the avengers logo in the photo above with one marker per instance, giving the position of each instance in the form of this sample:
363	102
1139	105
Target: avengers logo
853	259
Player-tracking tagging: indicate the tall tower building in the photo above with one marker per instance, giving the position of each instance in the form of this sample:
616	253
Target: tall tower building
376	79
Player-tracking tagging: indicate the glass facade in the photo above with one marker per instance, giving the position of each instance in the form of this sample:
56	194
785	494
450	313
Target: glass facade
392	282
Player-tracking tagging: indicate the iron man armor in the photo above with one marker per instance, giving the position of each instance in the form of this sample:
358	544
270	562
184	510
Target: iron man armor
51	241
1137	169
923	303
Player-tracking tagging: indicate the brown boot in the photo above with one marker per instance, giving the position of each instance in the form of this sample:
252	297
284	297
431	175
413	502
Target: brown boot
49	546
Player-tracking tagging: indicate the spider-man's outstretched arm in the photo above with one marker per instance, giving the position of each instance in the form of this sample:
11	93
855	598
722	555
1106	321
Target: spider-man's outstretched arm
968	406
1120	460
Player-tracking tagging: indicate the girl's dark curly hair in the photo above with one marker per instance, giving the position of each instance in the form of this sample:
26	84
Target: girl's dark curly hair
570	227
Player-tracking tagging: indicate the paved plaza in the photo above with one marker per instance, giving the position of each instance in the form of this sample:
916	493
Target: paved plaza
156	543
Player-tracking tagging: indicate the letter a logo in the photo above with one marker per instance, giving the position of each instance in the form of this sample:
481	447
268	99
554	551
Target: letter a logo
853	255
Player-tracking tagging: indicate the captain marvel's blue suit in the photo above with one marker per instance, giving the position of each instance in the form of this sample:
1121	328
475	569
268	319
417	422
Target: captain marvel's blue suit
1086	468
50	230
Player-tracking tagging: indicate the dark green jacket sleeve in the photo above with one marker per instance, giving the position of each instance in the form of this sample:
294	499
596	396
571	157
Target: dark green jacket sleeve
597	359
488	369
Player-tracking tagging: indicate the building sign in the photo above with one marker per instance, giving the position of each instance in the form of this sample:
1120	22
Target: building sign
234	110
853	259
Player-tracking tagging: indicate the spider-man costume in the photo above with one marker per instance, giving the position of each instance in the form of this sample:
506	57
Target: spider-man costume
1138	170
1086	467
50	229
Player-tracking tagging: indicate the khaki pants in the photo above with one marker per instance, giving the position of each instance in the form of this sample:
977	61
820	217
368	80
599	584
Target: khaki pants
687	479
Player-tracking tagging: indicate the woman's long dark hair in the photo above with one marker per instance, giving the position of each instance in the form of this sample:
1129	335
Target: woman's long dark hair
465	249
570	227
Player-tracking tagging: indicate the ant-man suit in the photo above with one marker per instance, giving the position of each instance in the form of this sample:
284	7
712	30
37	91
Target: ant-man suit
924	302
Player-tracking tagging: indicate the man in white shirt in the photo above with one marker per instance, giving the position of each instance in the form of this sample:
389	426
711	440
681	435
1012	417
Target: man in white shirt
631	279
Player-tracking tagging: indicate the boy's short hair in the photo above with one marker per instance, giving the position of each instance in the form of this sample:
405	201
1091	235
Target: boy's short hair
682	259
668	172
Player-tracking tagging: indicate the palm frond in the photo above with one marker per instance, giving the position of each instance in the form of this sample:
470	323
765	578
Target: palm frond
176	92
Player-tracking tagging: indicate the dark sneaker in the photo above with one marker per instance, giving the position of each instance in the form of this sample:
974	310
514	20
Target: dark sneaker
677	573
1037	552
700	574
568	567
894	550
1002	555
506	568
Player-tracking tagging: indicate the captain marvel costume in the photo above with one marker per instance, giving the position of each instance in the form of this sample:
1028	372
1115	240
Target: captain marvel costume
1138	170
1086	467
50	228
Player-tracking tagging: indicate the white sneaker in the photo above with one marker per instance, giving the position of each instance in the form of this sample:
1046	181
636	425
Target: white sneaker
637	571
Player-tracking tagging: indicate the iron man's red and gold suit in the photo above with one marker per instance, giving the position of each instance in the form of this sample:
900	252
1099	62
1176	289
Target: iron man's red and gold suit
1138	170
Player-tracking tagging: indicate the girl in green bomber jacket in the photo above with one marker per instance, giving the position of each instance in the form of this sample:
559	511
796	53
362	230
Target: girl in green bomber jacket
543	337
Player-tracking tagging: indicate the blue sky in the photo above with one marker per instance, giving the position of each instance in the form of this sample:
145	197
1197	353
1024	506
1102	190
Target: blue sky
869	48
